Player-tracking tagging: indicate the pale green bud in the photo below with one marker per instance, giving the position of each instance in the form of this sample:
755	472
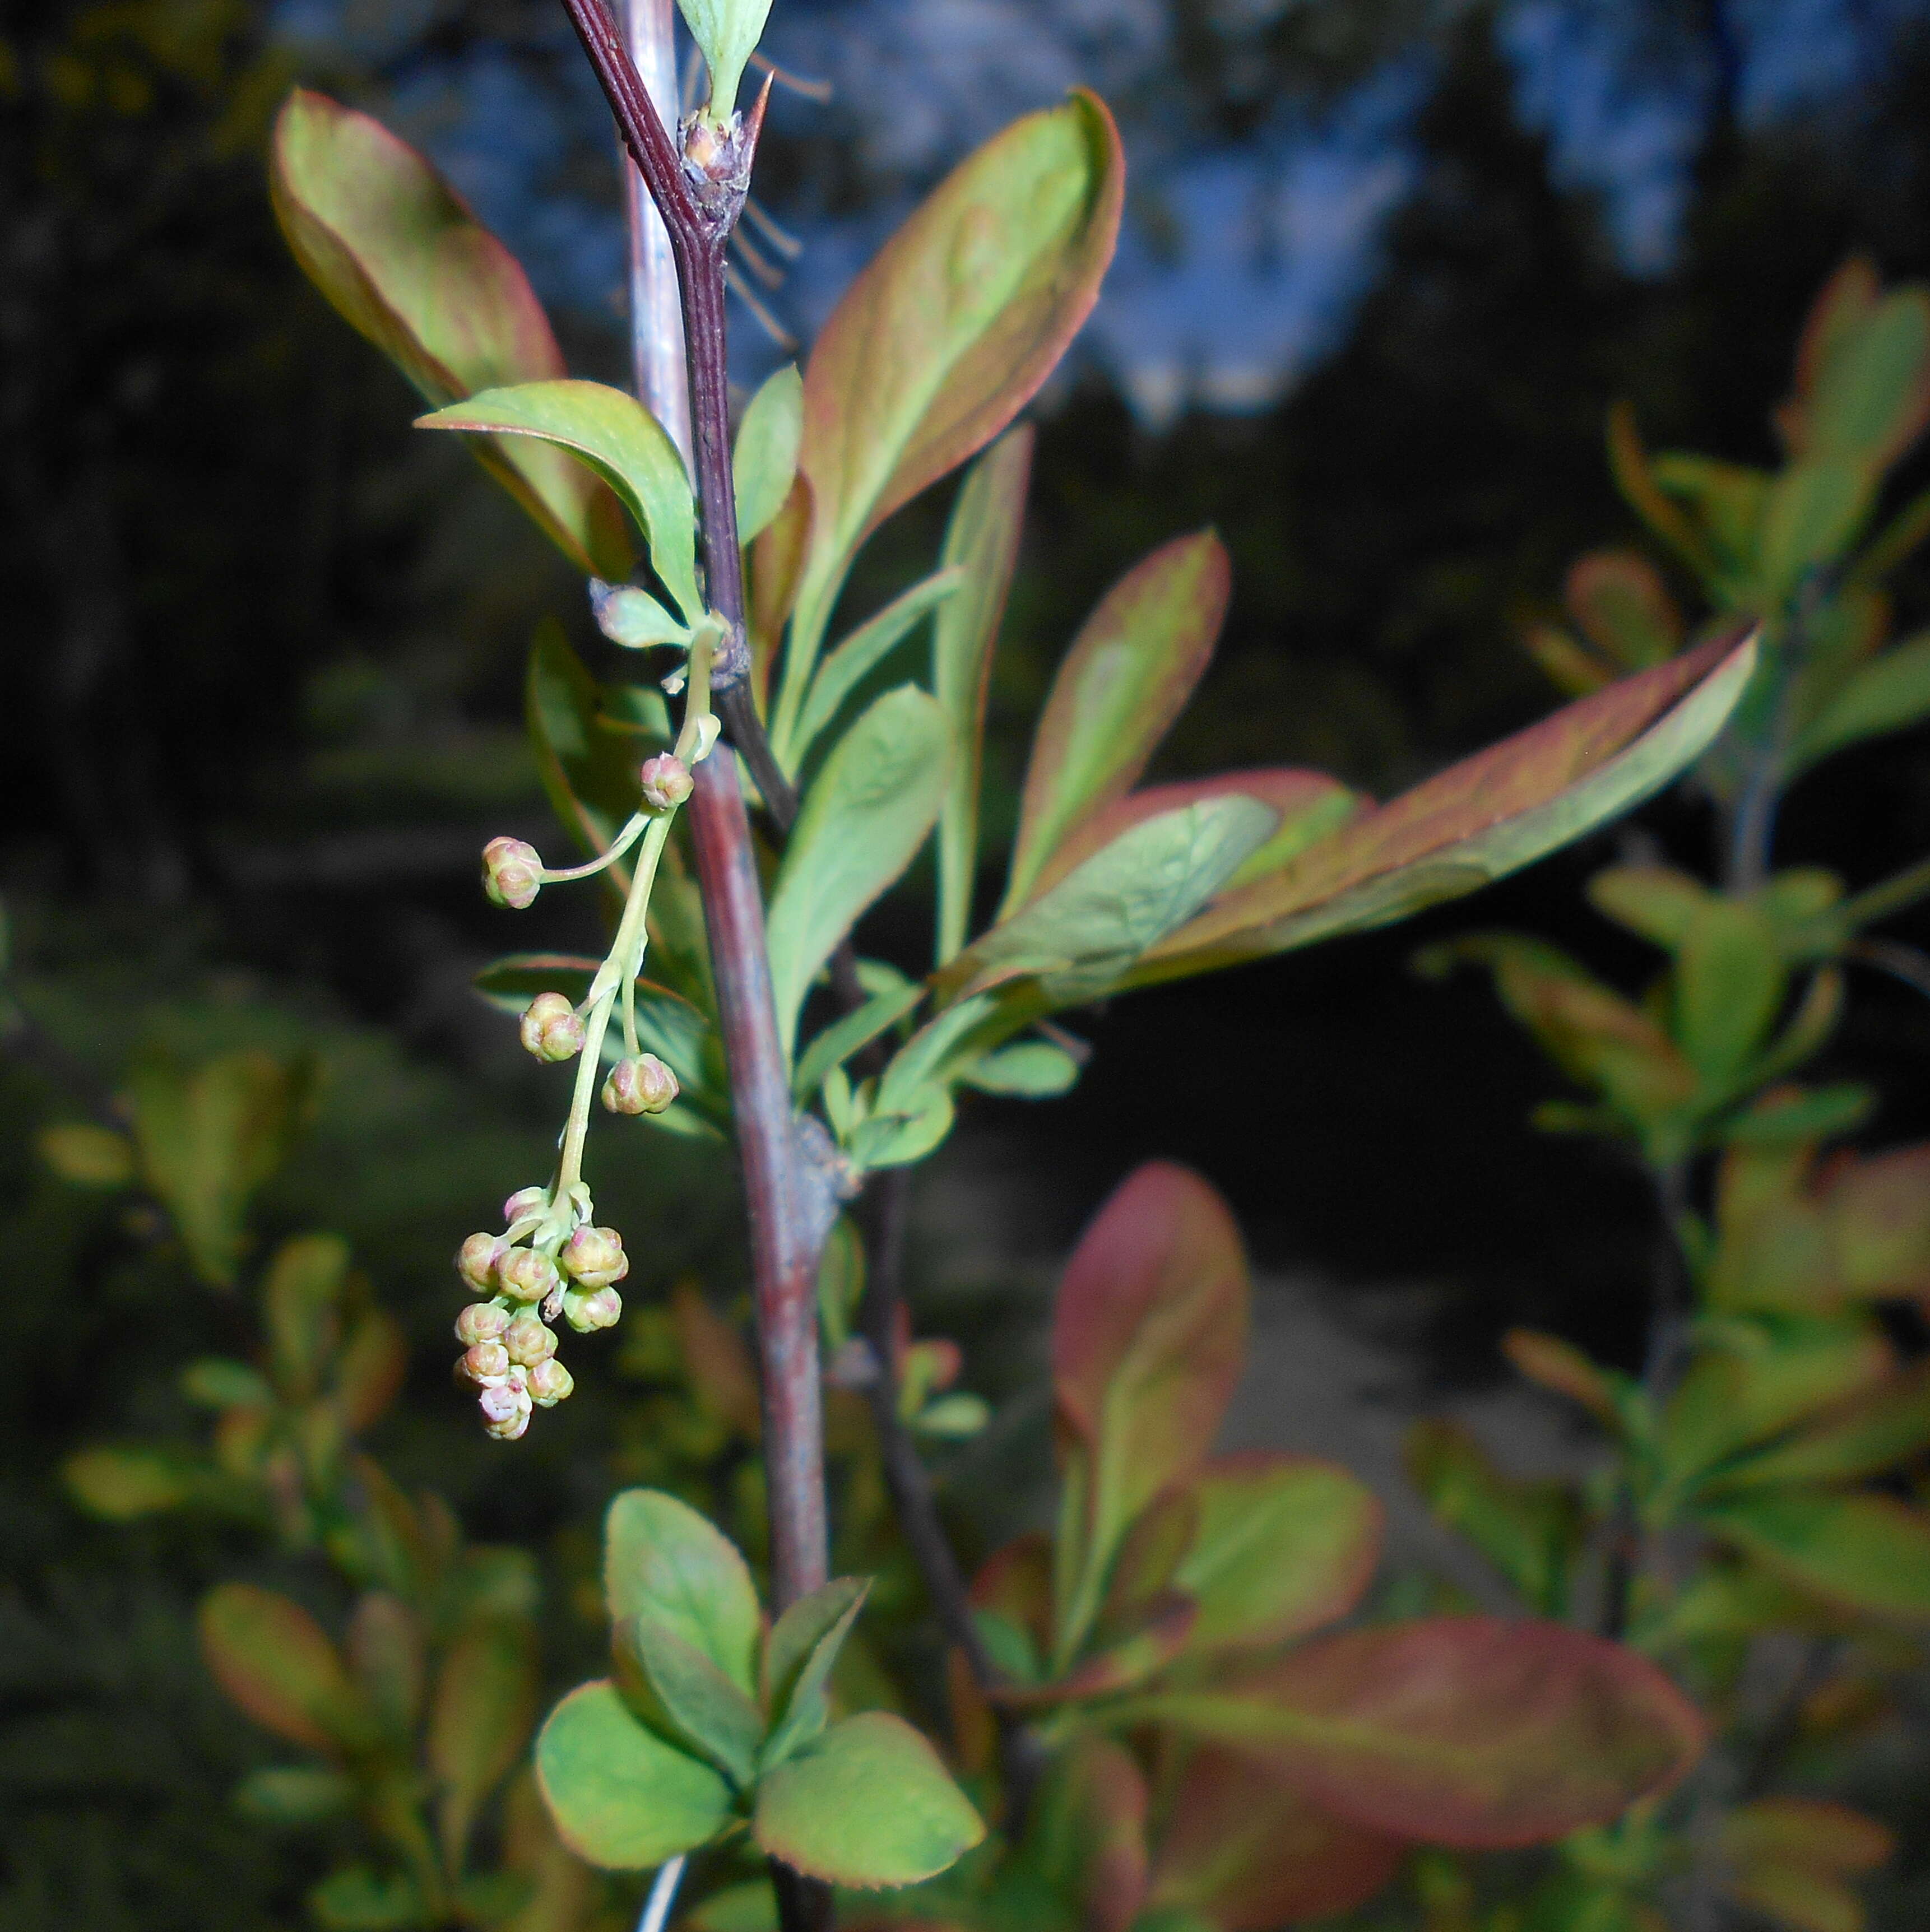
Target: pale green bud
512	872
666	781
487	1364
524	1202
643	1085
550	1383
529	1342
551	1028
481	1322
476	1260
602	1308
526	1276
505	1412
594	1257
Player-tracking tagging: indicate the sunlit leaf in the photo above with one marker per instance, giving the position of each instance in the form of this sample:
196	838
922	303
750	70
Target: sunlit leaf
866	1803
621	441
765	460
622	1797
954	325
662	1559
1126	679
275	1661
804	1645
682	1693
388	241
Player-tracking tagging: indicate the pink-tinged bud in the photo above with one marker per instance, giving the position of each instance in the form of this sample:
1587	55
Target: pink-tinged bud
512	872
487	1364
481	1322
550	1029
529	1342
594	1257
666	782
526	1276
550	1383
524	1202
641	1085
476	1260
504	1415
602	1308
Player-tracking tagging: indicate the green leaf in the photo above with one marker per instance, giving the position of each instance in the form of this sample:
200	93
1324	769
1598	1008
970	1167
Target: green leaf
622	1797
589	772
1816	509
358	1899
1621	605
1127	678
1149	1334
1283	1545
1729	984
863	818
272	1659
982	539
859	656
123	1485
766	457
1487	817
87	1157
385	1653
662	1560
622	442
1660	902
1464	1731
1864	380
1868	1552
1891	691
728	31
209	1139
679	1691
215	1382
633	618
392	246
839	1041
302	1309
289	1794
866	1803
1033	1070
485	1703
1726	502
1870	1433
804	1646
949	332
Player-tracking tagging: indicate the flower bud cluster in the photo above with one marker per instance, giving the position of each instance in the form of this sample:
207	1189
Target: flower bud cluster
544	1263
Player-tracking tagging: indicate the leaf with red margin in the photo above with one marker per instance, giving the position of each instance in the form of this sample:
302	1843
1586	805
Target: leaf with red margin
1086	1836
1149	1336
1486	817
1014	1584
277	1663
1127	1658
1464	1731
1126	679
398	252
1241	1846
1284	1543
949	332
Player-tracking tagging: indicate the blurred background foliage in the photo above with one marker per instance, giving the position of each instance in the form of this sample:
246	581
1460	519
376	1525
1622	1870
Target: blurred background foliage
1387	266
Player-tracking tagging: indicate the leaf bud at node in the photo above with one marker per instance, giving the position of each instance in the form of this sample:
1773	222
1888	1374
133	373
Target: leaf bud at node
503	1415
594	1257
551	1028
512	872
643	1085
666	782
487	1365
550	1383
476	1261
524	1202
529	1342
586	1313
481	1322
526	1276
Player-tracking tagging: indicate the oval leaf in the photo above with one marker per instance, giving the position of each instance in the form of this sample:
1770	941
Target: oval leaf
765	460
622	1798
867	1804
1870	1552
275	1661
393	247
662	1559
485	1700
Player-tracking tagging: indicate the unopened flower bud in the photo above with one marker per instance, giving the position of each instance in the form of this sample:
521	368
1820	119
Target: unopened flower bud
512	872
529	1342
503	1415
594	1257
602	1308
666	781
487	1364
550	1382
476	1260
526	1276
525	1202
551	1028
481	1322
642	1085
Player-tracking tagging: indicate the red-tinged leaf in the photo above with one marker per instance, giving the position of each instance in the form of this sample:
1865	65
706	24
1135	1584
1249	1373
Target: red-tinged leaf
1086	1834
485	1703
1149	1338
1560	1365
1284	1544
1868	1552
940	342
369	1372
1872	1431
1126	679
1488	816
276	1662
1464	1731
1879	1208
1311	805
1815	1832
395	248
1840	307
1621	605
1241	1845
1628	461
1123	1659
